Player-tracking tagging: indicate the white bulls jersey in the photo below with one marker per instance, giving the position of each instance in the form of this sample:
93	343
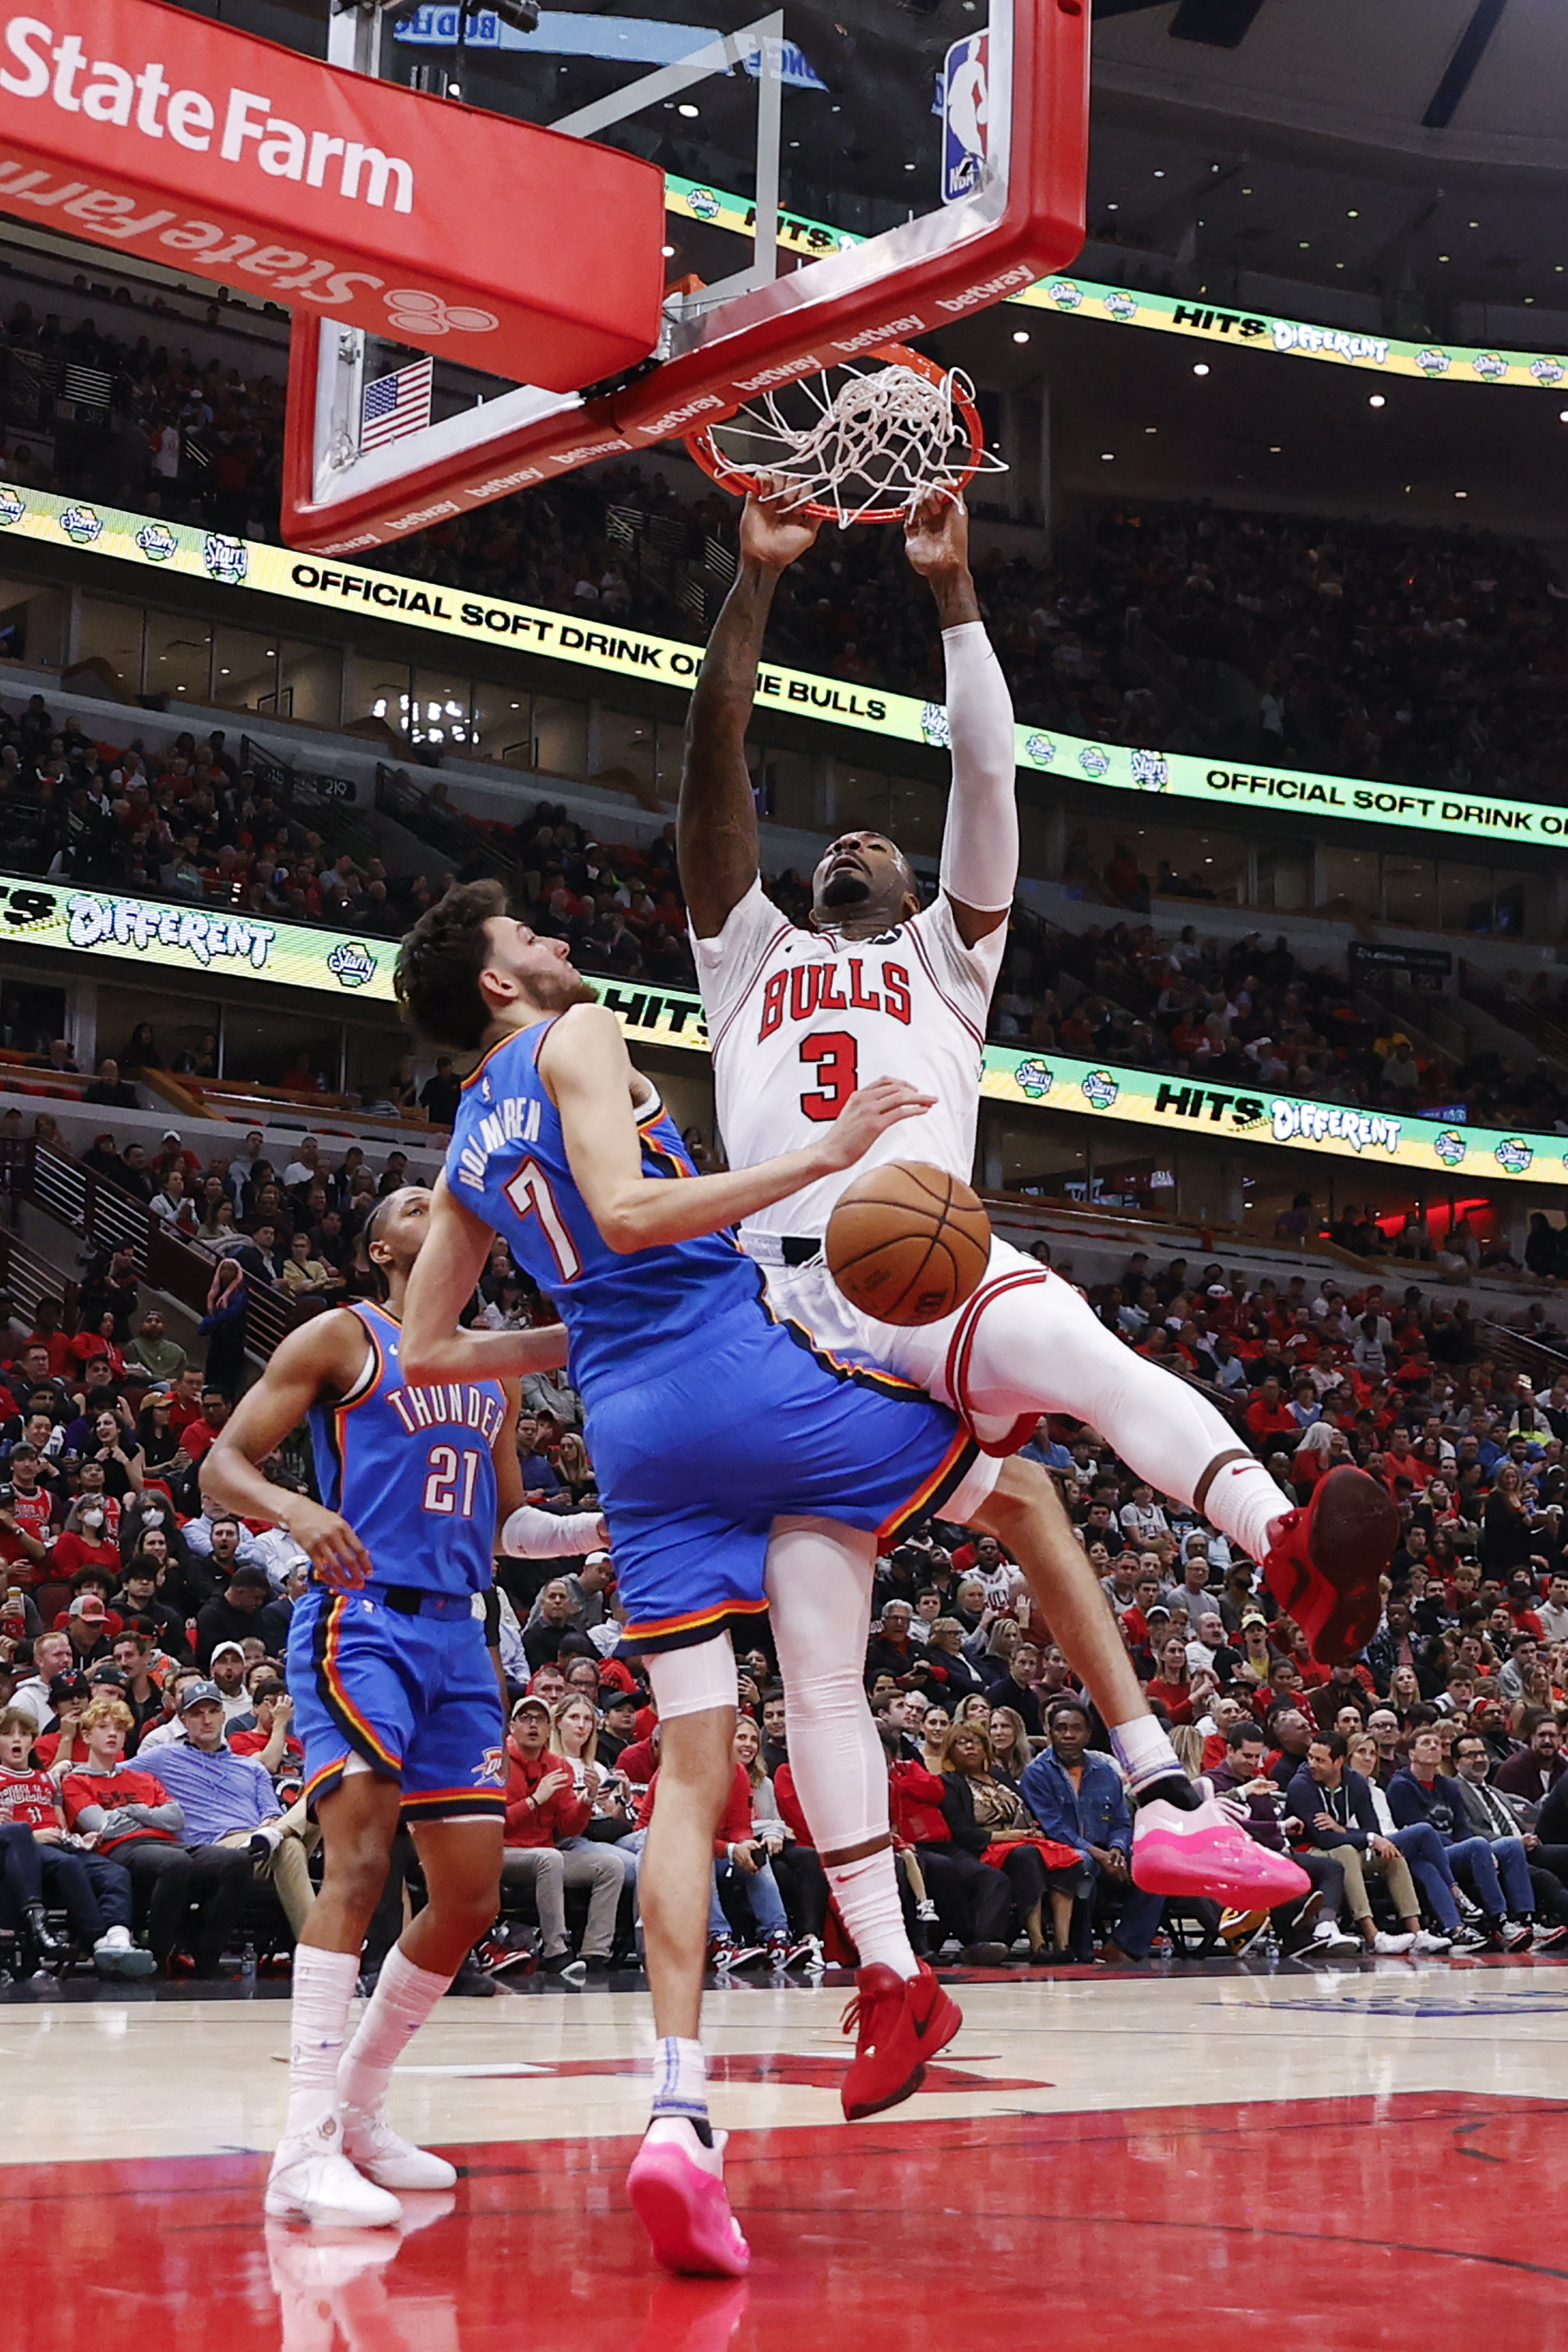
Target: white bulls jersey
797	1020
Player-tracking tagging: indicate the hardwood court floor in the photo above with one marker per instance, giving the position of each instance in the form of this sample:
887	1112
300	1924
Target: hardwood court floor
1363	2157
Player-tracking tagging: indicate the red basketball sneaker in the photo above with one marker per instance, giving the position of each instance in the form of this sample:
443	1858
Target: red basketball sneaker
1323	1564
899	2023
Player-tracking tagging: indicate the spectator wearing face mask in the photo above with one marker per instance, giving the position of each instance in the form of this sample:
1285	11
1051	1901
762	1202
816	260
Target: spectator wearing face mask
86	1541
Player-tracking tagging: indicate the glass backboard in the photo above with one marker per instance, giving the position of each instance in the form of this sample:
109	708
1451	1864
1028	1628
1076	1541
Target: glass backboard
835	182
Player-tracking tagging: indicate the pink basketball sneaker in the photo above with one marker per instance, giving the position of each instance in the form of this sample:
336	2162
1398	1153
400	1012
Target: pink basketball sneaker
1206	1852
676	2186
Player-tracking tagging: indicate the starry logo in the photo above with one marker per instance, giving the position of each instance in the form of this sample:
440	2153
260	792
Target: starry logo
1449	1147
13	505
81	525
1432	361
1035	1077
225	559
351	965
1150	772
1064	294
1040	749
1547	370
1100	1090
1093	762
1513	1155
1118	305
1490	366
157	543
934	727
702	205
491	1769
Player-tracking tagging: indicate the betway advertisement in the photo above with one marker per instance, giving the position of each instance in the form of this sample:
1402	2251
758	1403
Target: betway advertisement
205	941
154	130
607	652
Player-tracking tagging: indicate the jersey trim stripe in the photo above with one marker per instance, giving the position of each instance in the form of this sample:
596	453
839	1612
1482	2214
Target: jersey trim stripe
361	1737
944	1480
783	933
918	944
685	1632
865	1376
431	1804
358	1308
488	1057
317	1786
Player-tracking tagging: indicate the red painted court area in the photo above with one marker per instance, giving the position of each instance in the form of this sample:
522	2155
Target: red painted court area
1431	2221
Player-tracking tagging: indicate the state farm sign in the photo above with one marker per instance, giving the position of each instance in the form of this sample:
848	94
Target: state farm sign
136	124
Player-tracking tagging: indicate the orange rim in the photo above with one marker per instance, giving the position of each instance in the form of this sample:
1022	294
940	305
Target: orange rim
745	484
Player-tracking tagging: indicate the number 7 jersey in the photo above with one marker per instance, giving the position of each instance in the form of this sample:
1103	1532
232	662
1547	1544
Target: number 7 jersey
796	1020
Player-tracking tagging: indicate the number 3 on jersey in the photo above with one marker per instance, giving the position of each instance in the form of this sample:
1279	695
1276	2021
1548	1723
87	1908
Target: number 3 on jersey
531	1196
835	1054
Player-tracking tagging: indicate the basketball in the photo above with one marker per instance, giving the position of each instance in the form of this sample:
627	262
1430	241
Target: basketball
908	1243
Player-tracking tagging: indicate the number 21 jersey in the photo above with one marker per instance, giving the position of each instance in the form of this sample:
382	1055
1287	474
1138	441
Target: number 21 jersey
796	1020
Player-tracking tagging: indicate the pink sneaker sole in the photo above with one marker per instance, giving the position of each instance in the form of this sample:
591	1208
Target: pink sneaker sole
1205	1853
686	2214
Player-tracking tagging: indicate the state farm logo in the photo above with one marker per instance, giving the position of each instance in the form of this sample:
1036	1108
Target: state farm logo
419	313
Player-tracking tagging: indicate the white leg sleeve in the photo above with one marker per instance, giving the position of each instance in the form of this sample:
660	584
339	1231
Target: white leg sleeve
692	1680
1038	1347
819	1592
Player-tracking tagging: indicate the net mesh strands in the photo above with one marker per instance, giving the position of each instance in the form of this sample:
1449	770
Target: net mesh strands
869	450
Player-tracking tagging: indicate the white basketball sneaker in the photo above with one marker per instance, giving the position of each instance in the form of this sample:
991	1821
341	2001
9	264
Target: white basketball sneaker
370	2144
312	2180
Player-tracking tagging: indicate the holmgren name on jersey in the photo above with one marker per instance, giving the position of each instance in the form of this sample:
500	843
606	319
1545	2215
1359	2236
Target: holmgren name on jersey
515	1120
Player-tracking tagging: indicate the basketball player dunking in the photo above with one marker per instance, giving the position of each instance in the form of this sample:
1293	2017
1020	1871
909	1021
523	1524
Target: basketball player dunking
877	987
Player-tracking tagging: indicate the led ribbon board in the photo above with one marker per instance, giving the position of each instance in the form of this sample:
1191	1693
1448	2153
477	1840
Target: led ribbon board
154	545
1253	331
205	941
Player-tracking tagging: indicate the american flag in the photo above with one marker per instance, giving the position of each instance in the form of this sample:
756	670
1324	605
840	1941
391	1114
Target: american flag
395	404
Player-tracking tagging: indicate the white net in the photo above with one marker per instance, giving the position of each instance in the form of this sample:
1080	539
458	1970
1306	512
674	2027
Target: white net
884	439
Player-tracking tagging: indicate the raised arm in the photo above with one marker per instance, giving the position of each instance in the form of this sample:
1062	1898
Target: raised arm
716	837
980	839
584	1063
445	1277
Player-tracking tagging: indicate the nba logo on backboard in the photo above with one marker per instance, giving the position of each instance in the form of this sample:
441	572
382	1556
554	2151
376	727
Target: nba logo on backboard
966	117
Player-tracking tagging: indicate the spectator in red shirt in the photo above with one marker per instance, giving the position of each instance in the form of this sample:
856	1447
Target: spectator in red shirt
50	1334
1268	1415
545	1851
1172	1687
198	1434
135	1820
36	1866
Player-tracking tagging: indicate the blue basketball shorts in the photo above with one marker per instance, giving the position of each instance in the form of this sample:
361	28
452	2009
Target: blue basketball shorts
694	1465
415	1698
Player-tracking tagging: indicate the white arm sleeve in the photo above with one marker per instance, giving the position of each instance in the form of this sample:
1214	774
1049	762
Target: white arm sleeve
980	842
531	1534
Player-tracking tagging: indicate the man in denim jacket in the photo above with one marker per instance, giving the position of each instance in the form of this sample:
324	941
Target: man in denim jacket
1077	1800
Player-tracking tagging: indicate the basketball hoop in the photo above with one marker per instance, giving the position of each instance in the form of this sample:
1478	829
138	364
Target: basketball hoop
863	442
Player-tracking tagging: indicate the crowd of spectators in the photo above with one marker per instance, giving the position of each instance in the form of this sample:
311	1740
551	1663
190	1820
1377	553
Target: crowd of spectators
1422	1785
1247	1015
139	421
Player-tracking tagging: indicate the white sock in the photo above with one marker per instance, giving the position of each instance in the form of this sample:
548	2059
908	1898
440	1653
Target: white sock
1144	1752
1243	1500
680	2079
318	2027
866	1893
402	2000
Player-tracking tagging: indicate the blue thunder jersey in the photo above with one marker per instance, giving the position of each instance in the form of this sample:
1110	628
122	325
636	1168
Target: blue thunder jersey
411	1469
508	1162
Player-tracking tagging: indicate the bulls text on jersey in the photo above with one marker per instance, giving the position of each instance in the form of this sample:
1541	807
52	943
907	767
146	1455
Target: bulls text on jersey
808	989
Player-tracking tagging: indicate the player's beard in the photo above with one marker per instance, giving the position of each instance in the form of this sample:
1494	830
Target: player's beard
846	887
554	991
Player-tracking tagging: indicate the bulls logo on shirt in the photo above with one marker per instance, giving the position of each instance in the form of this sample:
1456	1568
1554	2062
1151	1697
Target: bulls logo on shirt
808	990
